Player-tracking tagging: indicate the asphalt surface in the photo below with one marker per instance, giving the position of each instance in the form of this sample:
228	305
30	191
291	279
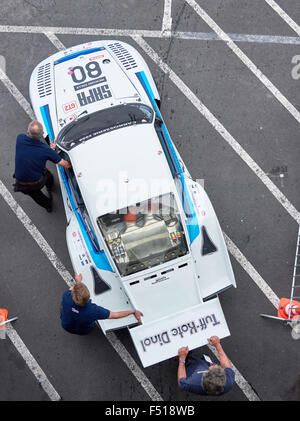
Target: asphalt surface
88	368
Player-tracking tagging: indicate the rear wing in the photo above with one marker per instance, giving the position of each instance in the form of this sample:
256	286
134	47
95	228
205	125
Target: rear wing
160	340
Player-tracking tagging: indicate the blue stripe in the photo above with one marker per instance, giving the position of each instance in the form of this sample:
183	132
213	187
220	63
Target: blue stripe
192	225
100	258
47	121
79	53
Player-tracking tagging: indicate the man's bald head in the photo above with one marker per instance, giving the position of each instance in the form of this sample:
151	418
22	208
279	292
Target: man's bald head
35	130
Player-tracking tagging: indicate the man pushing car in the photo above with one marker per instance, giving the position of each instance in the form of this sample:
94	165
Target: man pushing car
79	314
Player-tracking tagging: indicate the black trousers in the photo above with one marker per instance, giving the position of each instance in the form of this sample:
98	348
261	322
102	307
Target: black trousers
34	190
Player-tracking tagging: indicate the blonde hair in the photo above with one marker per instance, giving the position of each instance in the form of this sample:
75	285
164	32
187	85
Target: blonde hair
80	294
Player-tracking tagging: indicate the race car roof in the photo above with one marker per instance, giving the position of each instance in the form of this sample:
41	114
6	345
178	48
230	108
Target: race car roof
88	81
121	168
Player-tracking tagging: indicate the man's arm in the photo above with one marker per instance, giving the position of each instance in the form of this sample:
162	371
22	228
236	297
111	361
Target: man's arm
181	372
125	313
224	360
64	163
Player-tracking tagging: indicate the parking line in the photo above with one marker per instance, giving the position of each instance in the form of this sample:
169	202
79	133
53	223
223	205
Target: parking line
55	41
245	59
167	17
200	36
217	125
284	16
16	94
32	363
251	271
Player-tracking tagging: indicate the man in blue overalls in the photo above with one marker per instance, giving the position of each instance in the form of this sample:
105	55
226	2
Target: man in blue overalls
31	173
202	376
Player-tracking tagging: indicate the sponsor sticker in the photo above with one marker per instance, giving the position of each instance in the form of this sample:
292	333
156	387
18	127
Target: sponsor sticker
70	106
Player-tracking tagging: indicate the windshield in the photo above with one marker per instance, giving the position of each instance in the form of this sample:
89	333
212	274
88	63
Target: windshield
100	122
144	235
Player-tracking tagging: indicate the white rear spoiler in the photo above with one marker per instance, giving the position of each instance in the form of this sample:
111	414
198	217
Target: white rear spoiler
160	340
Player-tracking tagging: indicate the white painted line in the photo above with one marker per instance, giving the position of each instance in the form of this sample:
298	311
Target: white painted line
167	18
55	41
201	36
133	367
32	363
284	15
17	94
220	129
251	271
240	380
36	235
78	31
245	59
66	276
212	36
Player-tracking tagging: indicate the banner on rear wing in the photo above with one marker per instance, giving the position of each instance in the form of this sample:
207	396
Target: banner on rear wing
158	341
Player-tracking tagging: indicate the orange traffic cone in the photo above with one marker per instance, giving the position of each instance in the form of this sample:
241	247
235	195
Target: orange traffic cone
3	316
284	308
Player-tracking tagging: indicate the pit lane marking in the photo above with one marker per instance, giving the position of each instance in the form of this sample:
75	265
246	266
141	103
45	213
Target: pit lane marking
245	59
167	17
284	16
32	363
200	36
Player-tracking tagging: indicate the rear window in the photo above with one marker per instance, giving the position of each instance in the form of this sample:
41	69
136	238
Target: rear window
95	124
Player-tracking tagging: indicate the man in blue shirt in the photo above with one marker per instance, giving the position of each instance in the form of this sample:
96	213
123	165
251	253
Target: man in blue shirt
30	165
202	376
79	314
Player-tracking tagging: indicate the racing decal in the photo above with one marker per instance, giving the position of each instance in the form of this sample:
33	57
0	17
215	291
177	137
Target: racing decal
86	77
47	121
90	83
96	57
161	339
77	54
82	253
93	95
91	70
188	328
69	106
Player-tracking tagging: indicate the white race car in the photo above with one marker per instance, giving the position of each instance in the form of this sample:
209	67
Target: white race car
143	234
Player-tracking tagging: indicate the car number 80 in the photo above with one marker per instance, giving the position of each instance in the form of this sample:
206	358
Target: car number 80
91	70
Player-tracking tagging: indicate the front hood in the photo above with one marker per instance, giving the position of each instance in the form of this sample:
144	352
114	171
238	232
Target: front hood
89	82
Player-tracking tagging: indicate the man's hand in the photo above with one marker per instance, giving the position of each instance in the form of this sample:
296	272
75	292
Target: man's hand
181	371
138	315
78	278
182	352
64	163
53	144
224	360
214	341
